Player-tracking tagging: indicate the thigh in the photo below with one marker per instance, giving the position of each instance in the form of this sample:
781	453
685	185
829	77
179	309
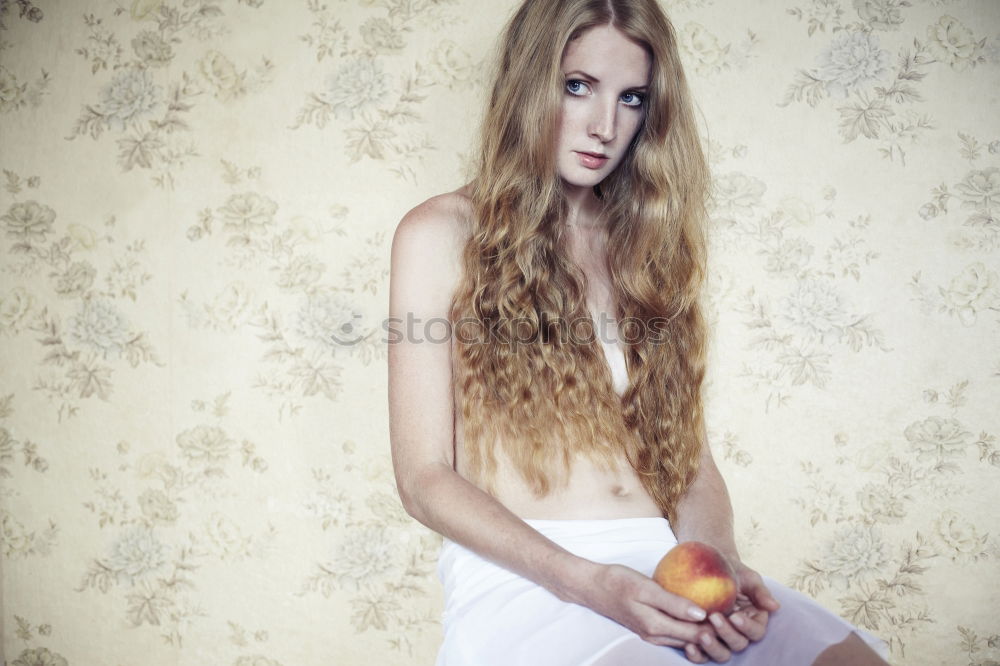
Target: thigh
796	635
494	617
521	624
634	651
799	631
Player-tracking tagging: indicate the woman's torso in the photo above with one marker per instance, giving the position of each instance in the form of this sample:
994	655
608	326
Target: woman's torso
591	492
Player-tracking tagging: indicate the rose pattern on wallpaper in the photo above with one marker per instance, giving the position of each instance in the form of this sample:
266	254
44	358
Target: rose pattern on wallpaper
366	103
857	67
27	634
880	552
15	96
295	285
978	195
974	291
84	331
238	635
26	10
20	456
382	562
146	112
731	449
801	324
307	344
968	293
708	56
156	511
972	644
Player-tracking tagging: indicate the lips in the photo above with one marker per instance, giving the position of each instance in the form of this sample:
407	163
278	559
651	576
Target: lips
591	160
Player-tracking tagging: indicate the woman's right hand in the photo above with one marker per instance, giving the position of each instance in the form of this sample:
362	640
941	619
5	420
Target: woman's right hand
639	603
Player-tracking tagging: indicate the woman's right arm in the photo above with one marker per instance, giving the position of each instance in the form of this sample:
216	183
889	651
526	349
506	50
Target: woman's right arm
425	270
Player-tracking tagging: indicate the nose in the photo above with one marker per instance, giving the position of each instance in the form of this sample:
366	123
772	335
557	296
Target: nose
602	121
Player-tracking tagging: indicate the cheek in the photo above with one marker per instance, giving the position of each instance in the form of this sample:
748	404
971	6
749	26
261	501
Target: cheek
633	125
572	120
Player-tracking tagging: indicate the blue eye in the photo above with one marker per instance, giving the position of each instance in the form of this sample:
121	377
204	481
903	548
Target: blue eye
640	99
570	83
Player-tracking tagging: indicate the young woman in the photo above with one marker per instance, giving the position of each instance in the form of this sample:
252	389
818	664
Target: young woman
546	368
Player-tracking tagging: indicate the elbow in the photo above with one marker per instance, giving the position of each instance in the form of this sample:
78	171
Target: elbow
424	490
410	502
412	490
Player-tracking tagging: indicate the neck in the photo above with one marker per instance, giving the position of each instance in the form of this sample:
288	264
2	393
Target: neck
584	209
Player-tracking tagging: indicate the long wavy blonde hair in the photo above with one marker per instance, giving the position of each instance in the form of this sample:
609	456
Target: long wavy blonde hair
521	382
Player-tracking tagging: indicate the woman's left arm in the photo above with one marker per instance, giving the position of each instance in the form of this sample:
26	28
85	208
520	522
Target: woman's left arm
705	514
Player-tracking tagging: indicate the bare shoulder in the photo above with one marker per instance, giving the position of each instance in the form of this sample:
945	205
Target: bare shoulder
443	218
428	242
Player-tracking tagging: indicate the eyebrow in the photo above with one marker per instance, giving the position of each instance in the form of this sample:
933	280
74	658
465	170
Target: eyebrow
597	80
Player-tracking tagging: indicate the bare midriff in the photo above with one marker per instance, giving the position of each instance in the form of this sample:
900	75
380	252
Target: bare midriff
590	492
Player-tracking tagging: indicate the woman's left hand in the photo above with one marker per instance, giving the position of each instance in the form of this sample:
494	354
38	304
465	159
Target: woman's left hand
747	623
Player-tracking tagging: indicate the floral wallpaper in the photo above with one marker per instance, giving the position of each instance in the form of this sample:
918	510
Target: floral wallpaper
197	200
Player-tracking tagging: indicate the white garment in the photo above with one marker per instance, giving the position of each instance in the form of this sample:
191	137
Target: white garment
494	617
616	359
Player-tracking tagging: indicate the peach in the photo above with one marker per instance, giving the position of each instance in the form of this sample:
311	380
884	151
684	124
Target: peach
700	573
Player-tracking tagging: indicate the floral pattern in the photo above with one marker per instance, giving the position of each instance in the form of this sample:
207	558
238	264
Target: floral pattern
360	98
147	111
35	656
855	68
797	332
146	560
387	583
197	200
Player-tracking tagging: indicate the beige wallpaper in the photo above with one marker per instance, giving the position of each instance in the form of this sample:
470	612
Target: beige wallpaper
197	199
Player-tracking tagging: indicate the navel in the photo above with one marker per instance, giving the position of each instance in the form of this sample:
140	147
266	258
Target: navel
618	490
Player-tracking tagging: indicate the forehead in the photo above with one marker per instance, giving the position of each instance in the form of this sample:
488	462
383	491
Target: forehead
607	54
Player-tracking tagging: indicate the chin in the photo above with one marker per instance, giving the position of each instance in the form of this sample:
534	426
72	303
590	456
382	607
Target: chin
578	181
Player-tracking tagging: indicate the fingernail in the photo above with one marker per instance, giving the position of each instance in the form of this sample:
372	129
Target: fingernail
696	613
716	619
736	619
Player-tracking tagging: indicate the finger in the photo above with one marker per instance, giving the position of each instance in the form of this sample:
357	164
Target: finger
659	628
731	636
694	654
673	605
762	598
666	641
768	602
710	645
753	626
755	588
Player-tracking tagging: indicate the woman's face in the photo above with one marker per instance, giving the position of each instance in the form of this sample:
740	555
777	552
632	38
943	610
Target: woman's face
606	76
